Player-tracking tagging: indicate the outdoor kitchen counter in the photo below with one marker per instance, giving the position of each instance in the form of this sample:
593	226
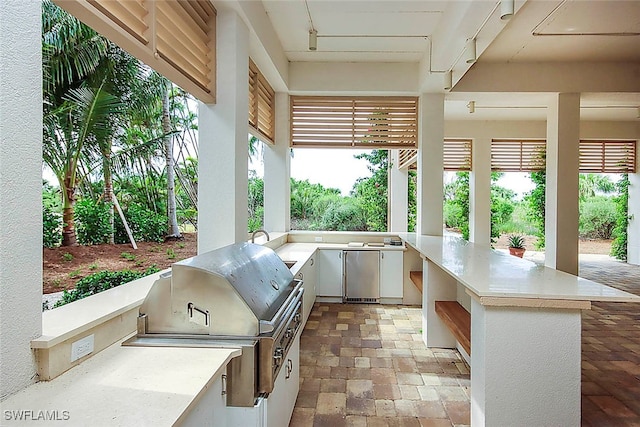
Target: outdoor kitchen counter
126	386
495	277
525	329
301	252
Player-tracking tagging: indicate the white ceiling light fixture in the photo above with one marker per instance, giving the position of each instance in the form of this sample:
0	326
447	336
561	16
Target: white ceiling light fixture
448	80
472	107
313	40
470	51
313	33
506	9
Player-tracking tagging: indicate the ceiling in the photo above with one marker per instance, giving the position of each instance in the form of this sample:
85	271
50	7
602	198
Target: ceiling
541	31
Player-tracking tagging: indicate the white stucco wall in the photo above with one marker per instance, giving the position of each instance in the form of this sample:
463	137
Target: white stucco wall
20	191
223	131
430	189
277	172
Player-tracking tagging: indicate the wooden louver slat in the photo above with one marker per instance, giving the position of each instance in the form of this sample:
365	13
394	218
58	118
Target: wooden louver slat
518	155
262	104
372	122
177	38
607	156
184	39
407	158
130	16
456	156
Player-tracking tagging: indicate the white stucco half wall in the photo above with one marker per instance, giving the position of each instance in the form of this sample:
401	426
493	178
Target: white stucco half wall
20	191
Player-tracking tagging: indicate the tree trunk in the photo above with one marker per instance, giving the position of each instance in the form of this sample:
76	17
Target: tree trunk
108	190
68	225
173	230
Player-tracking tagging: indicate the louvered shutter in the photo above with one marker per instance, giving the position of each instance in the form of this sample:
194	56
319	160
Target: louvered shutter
361	122
518	155
607	156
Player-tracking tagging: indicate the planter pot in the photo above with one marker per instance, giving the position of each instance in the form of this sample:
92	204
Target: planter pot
519	252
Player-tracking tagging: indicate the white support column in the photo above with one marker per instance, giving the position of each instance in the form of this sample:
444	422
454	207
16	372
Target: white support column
525	366
480	192
633	230
561	219
437	285
430	169
398	194
223	147
277	172
20	192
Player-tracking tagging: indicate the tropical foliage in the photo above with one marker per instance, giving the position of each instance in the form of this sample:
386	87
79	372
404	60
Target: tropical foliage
619	244
536	205
112	127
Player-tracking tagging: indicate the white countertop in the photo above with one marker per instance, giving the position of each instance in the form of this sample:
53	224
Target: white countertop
71	319
301	252
126	386
489	273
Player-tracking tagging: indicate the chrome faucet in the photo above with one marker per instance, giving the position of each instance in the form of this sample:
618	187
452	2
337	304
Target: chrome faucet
253	235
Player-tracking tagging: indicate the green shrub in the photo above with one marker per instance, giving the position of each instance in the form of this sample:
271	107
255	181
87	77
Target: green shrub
101	281
146	226
92	222
518	224
453	215
344	215
597	217
51	228
256	222
537	205
619	244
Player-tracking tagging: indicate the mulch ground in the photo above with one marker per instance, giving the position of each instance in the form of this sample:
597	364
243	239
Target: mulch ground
63	267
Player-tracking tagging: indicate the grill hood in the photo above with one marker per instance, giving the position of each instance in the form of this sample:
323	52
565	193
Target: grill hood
238	290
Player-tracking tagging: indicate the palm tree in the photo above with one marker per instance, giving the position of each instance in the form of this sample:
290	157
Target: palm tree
82	119
173	230
591	184
75	114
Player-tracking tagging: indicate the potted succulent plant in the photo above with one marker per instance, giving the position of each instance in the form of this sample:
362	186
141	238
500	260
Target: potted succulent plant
516	245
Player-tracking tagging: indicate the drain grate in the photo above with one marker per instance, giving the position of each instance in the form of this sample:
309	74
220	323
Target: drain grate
361	300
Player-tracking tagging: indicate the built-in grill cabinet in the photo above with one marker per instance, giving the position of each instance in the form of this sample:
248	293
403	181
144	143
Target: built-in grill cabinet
241	295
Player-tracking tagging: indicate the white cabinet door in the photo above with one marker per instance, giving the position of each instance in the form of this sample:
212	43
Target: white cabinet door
211	409
391	274
329	273
281	402
308	275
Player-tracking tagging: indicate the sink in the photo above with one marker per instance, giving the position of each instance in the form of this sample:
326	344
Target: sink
289	264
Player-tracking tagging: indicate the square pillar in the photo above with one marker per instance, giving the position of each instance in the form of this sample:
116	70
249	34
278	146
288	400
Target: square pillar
480	192
20	192
398	194
562	214
437	285
277	172
525	366
223	141
633	229
430	166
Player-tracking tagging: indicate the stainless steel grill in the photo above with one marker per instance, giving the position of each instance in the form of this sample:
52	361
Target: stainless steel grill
241	295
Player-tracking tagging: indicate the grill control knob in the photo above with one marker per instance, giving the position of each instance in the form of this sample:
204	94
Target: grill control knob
278	353
297	317
288	333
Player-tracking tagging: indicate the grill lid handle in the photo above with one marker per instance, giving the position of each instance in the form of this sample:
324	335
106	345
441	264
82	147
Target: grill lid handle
267	326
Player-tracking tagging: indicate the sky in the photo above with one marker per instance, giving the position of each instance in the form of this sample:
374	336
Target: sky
338	168
333	168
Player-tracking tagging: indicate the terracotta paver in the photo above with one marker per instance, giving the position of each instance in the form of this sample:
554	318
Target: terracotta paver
366	364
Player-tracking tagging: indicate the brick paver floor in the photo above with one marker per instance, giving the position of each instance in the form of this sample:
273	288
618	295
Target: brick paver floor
611	348
366	365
